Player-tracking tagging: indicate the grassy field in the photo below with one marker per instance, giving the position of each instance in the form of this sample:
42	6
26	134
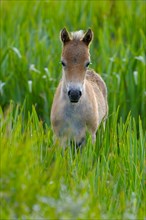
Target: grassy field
38	179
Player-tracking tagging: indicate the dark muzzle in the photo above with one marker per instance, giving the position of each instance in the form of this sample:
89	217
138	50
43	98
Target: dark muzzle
74	95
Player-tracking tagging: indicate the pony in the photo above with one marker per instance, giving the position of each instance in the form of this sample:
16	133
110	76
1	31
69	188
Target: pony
80	101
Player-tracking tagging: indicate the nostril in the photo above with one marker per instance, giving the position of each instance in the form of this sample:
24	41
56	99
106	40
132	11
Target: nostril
69	93
80	93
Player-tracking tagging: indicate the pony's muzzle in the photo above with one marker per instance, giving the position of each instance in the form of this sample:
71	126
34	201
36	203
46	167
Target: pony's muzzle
74	95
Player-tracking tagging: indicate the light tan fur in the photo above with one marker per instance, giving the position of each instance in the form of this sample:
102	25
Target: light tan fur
71	120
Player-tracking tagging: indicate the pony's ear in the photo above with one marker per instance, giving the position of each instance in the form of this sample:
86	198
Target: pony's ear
64	35
88	37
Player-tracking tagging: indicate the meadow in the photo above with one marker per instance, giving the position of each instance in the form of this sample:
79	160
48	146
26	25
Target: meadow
40	180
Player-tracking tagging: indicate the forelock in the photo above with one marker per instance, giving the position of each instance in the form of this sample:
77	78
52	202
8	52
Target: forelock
77	35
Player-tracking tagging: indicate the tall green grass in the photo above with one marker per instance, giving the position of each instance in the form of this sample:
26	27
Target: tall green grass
40	180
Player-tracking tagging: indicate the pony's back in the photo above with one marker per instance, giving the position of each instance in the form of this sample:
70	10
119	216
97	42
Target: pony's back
100	91
96	78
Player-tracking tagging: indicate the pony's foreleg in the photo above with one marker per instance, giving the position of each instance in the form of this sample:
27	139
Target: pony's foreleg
80	139
80	143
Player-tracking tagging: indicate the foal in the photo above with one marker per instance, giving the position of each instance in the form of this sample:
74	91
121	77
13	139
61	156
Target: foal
80	101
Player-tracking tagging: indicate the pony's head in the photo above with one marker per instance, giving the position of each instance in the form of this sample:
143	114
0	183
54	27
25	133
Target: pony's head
75	60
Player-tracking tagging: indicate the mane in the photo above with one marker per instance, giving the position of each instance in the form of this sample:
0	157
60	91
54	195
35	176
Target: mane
77	35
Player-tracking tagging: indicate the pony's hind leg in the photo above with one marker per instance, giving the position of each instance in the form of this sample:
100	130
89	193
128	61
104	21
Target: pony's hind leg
93	138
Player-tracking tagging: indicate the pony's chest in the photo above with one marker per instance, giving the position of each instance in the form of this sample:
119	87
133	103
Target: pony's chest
73	115
72	120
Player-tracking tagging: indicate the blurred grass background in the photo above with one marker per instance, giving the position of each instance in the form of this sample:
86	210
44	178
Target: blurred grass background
39	180
30	51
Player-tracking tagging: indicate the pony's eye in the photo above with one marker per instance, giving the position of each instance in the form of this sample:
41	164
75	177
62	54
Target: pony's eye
87	64
63	64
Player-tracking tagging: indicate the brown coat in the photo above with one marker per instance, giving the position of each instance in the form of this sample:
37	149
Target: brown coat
71	119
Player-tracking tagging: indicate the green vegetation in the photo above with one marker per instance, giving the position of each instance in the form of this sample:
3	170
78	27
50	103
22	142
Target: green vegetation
40	180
